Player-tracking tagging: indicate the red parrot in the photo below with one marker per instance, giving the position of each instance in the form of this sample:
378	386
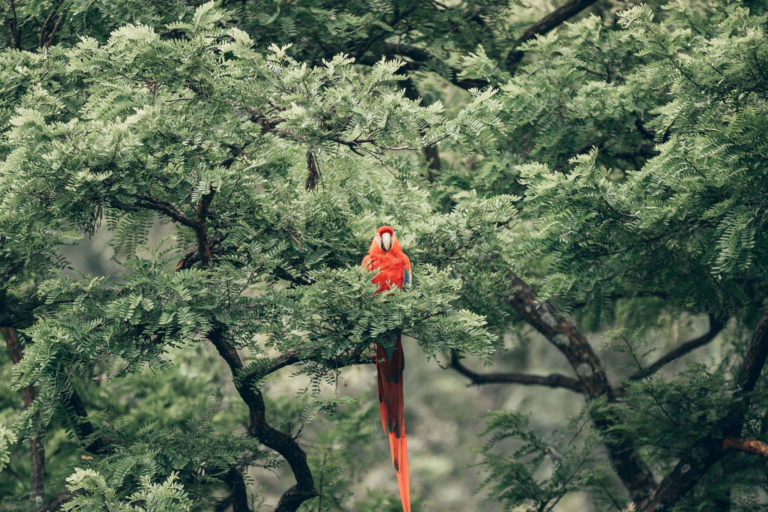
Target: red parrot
386	256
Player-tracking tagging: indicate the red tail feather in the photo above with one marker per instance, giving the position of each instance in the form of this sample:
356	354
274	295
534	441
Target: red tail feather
390	381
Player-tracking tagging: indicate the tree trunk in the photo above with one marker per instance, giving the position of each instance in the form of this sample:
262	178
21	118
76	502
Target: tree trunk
37	471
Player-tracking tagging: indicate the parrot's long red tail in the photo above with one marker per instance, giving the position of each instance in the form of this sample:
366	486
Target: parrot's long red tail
390	364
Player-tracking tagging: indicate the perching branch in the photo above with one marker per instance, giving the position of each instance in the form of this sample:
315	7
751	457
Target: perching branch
715	326
554	380
707	451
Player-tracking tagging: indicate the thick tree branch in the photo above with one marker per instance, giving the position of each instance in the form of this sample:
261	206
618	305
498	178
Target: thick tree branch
563	333
203	246
554	380
258	427
715	326
707	451
545	25
239	496
37	450
746	446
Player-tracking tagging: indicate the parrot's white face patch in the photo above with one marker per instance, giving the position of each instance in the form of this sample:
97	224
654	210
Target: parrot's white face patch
386	241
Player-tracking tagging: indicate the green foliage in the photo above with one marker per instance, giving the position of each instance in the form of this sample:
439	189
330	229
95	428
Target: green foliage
567	459
7	437
619	169
97	495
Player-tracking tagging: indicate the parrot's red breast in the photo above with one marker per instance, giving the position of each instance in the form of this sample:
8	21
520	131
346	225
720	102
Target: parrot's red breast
392	264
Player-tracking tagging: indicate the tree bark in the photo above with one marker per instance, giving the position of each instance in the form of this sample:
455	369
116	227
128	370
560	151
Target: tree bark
37	450
258	427
563	333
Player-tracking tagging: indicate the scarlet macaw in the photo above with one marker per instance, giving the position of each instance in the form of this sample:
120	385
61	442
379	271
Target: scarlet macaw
386	256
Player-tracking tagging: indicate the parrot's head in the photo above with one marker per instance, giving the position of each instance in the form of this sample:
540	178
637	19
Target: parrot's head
385	238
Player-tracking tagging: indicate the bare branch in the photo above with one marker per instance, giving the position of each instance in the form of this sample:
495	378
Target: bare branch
746	446
554	380
715	326
270	437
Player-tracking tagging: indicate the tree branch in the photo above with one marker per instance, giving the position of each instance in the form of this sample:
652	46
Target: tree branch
746	446
554	380
203	246
715	326
258	427
269	366
166	208
12	20
239	496
82	425
563	333
545	25
707	451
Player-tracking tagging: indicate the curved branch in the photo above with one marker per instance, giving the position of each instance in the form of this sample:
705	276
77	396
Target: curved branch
166	208
715	326
270	437
554	380
746	446
258	427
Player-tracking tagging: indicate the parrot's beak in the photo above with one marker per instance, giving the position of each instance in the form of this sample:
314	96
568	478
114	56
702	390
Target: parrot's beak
386	242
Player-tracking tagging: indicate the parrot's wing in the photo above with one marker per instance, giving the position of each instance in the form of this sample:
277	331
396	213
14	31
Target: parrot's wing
406	277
